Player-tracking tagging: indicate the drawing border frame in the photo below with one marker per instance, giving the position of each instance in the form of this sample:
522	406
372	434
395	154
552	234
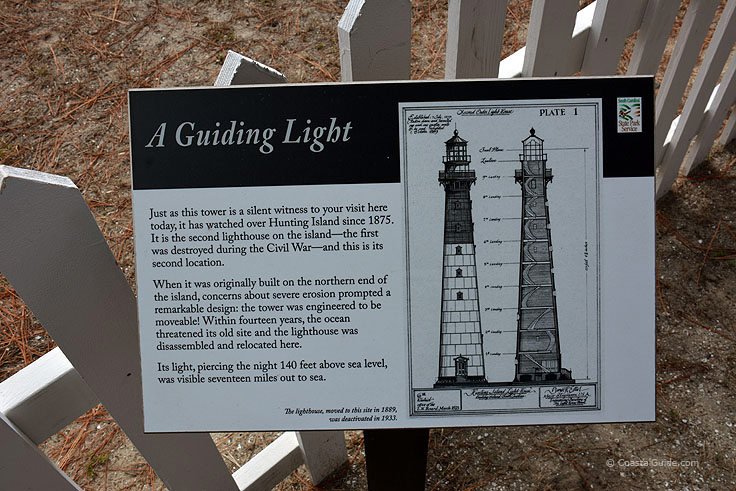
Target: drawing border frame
403	107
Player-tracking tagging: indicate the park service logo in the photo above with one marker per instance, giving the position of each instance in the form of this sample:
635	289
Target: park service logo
628	110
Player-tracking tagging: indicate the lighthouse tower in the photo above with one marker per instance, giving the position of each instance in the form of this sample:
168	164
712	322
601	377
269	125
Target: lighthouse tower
537	347
461	338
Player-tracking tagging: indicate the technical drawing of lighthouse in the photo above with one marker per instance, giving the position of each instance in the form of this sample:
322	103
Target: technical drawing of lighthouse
461	339
537	347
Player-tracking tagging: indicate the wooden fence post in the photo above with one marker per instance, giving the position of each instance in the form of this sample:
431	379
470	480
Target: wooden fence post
474	38
692	114
687	47
358	27
323	452
24	466
549	36
239	70
375	40
729	131
45	396
270	466
58	261
724	96
652	38
608	34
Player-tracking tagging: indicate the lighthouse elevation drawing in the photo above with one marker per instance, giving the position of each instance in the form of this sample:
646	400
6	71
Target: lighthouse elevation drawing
537	348
461	338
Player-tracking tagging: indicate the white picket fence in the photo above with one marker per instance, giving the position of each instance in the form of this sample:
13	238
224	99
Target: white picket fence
56	258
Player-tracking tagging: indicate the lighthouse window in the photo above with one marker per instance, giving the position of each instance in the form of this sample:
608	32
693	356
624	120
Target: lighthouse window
458	250
459	272
533	150
458	227
459	295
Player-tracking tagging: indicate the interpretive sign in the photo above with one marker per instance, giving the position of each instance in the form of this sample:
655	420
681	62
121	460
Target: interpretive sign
379	255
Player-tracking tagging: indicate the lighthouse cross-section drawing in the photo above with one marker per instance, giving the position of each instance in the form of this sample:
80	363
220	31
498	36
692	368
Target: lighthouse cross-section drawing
461	338
538	347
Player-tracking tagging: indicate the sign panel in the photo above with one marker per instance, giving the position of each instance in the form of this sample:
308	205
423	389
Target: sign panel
381	255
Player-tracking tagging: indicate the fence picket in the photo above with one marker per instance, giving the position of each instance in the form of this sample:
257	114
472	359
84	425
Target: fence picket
685	54
700	93
375	40
608	34
474	36
580	34
368	69
572	59
549	36
724	96
729	131
59	263
271	465
240	70
24	466
652	38
45	396
512	66
328	452
324	452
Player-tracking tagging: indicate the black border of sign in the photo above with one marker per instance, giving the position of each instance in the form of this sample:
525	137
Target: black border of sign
372	153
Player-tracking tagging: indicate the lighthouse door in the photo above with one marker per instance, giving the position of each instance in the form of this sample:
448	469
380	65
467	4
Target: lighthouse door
461	367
